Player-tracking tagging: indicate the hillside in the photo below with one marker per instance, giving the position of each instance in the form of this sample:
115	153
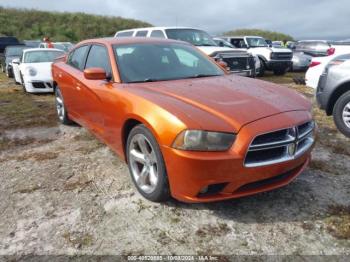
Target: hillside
33	24
263	33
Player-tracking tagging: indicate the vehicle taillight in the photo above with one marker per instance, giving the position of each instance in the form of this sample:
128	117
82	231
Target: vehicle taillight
331	51
314	63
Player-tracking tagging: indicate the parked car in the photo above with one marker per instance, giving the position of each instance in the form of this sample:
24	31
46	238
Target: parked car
11	52
279	60
6	41
224	43
33	69
238	61
32	43
314	48
301	61
333	92
318	65
186	127
64	46
277	44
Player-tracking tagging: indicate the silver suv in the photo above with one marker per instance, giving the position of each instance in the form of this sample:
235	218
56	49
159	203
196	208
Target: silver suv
333	92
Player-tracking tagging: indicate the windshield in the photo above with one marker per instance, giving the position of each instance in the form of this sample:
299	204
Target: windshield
192	36
160	62
41	56
256	42
15	51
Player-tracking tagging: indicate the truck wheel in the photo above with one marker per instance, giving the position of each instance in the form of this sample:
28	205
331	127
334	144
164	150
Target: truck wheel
279	72
341	114
262	68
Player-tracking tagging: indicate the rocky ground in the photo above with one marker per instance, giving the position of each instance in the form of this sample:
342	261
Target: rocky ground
63	192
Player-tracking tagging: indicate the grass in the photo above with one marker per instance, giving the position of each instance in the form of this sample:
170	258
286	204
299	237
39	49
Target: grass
19	110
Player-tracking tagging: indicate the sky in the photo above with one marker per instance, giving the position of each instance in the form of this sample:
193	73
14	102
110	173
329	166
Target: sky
303	19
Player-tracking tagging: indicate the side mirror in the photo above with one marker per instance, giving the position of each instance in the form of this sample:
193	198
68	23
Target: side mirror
95	73
245	46
15	61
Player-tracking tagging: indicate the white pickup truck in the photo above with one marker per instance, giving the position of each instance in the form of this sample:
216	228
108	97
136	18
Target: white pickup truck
238	61
277	59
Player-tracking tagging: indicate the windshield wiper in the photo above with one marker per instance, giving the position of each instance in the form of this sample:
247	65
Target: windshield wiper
201	75
144	80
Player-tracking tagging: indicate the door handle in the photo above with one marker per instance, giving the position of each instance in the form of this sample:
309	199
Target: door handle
78	86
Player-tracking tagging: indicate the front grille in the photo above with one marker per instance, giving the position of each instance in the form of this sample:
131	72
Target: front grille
269	181
239	63
38	85
282	56
280	146
42	85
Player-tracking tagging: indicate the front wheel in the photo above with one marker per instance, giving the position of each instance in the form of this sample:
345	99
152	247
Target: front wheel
61	108
341	114
262	68
146	165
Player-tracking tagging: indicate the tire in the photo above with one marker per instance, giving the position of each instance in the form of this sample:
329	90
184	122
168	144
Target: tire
61	110
341	114
279	72
146	163
23	84
262	68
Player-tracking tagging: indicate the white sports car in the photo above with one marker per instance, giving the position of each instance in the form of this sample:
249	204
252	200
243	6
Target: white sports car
33	69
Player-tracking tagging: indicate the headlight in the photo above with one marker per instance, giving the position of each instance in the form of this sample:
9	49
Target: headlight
198	140
31	71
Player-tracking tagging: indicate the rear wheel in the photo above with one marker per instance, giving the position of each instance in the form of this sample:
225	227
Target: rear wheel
146	165
61	108
262	68
279	72
341	114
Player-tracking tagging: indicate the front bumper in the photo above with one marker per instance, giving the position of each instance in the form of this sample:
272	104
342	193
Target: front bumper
190	172
248	73
39	86
321	95
279	64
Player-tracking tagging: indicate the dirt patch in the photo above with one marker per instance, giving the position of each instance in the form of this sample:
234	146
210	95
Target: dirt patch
338	224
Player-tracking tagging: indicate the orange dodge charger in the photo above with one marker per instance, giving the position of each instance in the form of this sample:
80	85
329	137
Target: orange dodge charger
186	128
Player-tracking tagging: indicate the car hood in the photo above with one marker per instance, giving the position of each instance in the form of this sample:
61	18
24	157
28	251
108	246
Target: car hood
213	50
280	50
10	58
224	103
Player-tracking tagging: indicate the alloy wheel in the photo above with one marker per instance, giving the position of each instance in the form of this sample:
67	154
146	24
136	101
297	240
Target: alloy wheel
346	115
59	105
143	163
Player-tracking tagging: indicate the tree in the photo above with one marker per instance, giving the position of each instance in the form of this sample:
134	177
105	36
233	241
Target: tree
28	24
274	36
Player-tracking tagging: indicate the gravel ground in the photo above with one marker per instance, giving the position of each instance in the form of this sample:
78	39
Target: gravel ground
65	193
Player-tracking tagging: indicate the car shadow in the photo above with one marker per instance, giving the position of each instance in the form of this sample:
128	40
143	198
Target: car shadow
296	202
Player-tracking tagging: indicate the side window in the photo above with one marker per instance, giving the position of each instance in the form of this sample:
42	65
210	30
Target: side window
125	34
77	58
141	33
98	57
158	34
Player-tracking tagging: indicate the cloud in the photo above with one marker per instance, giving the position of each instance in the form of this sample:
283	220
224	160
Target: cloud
301	19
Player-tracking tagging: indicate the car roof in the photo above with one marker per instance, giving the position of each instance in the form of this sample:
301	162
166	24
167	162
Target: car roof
130	40
159	28
41	49
242	36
